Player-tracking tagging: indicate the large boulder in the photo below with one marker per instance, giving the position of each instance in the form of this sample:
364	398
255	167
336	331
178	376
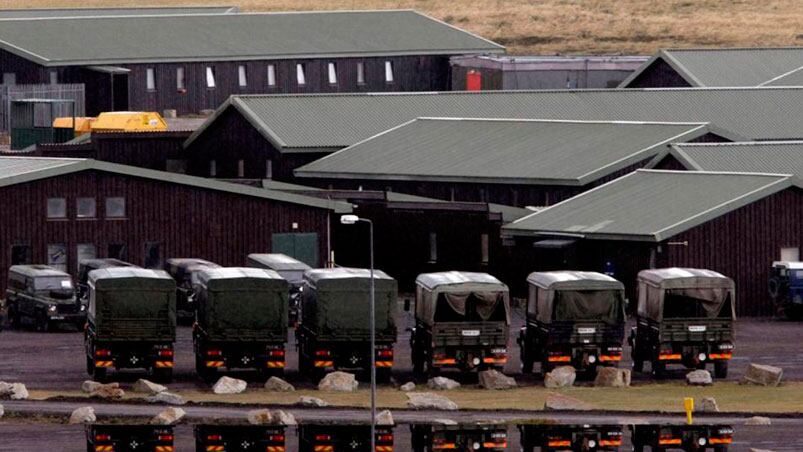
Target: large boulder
143	386
90	386
13	391
260	417
338	381
492	379
444	421
758	420
560	377
707	405
83	415
407	387
228	385
277	384
167	398
384	417
560	402
700	377
760	374
169	416
429	401
111	391
282	417
612	377
312	402
442	384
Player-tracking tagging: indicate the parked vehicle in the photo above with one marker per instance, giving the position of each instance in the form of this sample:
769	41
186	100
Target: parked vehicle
241	321
786	288
461	321
185	272
335	438
131	321
43	297
684	316
697	437
290	269
580	438
335	326
86	266
573	318
462	437
129	438
235	438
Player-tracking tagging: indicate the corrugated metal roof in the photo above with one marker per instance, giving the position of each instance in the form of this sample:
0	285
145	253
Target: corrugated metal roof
650	205
336	121
127	272
42	13
15	170
775	157
37	270
225	37
501	151
727	67
791	78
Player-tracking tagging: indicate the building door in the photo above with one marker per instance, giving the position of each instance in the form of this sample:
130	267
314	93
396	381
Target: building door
302	246
119	92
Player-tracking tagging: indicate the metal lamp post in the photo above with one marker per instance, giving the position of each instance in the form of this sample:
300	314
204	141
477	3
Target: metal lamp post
353	219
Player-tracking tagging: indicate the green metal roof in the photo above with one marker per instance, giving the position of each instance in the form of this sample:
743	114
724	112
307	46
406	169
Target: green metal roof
650	205
791	78
727	67
42	13
226	37
774	157
330	122
503	151
17	170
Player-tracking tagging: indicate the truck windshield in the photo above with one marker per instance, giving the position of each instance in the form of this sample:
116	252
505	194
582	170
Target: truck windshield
699	303
486	307
601	305
52	283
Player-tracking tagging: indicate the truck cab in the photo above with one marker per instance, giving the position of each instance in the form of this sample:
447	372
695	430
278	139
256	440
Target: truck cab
43	297
685	316
290	269
86	266
461	321
185	272
573	318
786	288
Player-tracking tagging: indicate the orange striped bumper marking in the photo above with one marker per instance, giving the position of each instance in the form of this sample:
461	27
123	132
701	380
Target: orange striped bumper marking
324	363
164	364
214	364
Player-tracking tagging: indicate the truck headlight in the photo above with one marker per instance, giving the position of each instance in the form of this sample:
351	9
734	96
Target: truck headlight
83	308
52	308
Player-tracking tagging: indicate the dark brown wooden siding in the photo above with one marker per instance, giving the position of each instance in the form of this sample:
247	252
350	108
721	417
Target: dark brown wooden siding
659	75
185	221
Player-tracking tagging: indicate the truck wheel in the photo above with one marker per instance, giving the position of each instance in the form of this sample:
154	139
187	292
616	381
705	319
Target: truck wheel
42	323
546	367
418	369
90	365
204	373
526	363
638	365
14	317
658	369
98	374
383	375
721	369
162	375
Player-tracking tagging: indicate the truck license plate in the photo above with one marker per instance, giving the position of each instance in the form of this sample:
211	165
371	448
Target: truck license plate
586	330
470	333
697	328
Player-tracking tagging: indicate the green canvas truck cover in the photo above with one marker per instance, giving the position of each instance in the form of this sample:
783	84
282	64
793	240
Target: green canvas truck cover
575	295
288	267
336	302
455	288
659	287
239	303
132	303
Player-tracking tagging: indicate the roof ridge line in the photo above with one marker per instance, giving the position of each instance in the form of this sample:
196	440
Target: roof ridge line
714	173
570	121
249	13
743	143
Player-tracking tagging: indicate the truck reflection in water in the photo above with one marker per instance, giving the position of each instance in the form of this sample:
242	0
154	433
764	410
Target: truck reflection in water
129	438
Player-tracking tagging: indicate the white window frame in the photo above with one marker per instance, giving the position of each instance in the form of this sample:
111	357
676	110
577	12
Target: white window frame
181	83
301	76
271	75
361	73
332	73
150	79
242	76
388	71
210	77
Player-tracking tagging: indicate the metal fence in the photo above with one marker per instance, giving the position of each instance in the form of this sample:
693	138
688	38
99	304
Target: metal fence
74	91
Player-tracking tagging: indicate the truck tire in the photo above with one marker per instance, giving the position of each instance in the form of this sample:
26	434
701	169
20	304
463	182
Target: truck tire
546	367
99	374
204	373
90	365
527	362
162	375
658	369
42	322
13	317
418	369
383	375
638	365
721	369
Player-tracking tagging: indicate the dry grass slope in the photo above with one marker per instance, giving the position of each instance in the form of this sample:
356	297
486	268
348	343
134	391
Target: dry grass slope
562	26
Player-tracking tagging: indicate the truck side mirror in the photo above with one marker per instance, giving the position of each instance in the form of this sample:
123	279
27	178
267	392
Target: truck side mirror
407	304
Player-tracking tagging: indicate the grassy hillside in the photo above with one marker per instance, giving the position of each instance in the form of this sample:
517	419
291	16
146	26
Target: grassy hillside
562	26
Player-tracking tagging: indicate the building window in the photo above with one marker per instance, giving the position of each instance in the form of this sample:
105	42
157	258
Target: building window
242	76
433	247
268	169
332	69
115	207
21	255
85	208
271	75
210	77
84	251
241	168
388	72
150	79
118	251
791	254
54	77
484	248
153	255
361	73
180	82
56	208
212	168
57	256
301	78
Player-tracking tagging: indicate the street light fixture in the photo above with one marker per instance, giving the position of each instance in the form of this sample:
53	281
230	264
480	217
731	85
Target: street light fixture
350	220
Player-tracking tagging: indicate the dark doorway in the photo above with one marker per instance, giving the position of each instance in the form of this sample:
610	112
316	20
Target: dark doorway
119	92
21	255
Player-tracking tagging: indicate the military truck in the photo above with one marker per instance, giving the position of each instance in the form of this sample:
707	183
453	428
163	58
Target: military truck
698	437
569	437
684	316
290	269
185	272
572	318
131	321
786	288
463	437
129	438
43	297
335	321
233	438
461	321
340	437
241	320
86	266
